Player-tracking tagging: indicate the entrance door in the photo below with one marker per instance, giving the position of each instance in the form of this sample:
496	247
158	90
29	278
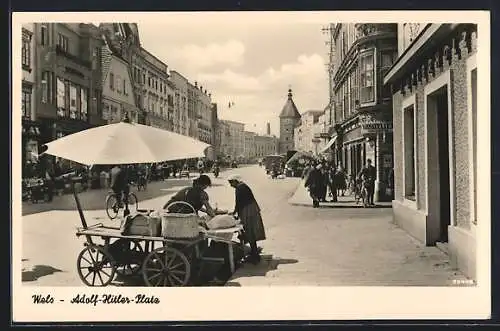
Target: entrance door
444	165
438	166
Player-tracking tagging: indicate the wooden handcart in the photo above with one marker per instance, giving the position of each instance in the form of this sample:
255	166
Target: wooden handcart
162	261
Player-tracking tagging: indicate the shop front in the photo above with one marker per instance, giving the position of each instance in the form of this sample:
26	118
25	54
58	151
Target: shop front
366	136
376	129
31	134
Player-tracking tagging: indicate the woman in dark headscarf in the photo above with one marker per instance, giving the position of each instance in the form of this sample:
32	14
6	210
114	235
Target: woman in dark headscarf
248	210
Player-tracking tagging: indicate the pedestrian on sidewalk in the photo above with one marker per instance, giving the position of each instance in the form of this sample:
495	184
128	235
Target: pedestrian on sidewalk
340	180
314	184
248	211
368	175
332	184
325	181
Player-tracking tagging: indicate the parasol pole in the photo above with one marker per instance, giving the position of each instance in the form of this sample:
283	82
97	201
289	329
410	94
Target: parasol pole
79	207
126	212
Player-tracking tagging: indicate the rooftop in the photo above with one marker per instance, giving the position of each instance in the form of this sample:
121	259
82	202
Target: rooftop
289	109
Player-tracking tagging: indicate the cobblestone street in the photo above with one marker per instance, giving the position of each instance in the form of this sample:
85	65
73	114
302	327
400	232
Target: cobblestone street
339	244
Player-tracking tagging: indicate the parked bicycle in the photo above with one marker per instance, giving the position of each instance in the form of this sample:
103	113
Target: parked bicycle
114	203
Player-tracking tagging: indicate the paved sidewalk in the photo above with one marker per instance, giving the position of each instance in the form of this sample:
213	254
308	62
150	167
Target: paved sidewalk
350	246
301	198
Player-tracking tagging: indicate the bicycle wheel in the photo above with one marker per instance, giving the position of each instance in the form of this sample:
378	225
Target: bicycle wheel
133	202
364	195
112	206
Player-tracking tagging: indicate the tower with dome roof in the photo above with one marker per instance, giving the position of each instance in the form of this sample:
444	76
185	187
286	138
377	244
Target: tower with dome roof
289	118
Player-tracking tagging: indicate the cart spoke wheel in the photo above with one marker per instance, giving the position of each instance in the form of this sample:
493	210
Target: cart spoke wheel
95	266
112	206
133	265
166	266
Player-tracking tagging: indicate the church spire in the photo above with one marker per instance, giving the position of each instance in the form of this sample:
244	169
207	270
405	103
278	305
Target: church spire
290	92
290	110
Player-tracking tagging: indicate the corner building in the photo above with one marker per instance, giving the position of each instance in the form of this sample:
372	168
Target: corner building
362	106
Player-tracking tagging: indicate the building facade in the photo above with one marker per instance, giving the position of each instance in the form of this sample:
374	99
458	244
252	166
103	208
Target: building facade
216	132
266	145
362	106
320	134
123	39
157	92
434	84
181	119
192	109
304	138
117	88
223	134
204	116
249	150
68	78
30	127
289	119
234	138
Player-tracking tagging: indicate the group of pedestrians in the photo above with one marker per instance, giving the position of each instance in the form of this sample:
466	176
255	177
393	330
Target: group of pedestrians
321	177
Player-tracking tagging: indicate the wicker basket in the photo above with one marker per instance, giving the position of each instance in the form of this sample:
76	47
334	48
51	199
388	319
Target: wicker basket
180	226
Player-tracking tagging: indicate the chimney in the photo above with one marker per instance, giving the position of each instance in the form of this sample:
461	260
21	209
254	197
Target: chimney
201	88
268	129
196	84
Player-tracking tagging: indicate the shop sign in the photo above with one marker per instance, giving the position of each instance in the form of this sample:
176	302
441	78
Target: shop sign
370	124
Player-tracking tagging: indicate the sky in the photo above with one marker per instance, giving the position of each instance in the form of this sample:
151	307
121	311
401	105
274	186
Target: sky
251	63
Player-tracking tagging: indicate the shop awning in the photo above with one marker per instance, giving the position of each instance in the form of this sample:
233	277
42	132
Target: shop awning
330	144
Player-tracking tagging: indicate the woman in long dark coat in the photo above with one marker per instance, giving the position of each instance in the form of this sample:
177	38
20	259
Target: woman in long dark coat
248	210
314	183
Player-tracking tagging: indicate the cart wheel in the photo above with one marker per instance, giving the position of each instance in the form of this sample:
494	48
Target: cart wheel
166	266
133	203
95	266
134	264
112	206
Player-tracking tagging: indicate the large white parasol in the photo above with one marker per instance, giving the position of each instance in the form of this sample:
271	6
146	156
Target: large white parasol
125	143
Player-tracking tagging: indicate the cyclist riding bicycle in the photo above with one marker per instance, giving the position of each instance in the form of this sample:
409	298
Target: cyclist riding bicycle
367	175
120	183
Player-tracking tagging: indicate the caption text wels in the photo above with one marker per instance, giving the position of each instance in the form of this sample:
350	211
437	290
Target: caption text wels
94	299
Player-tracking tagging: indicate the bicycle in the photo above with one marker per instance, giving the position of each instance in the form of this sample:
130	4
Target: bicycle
357	189
365	184
113	204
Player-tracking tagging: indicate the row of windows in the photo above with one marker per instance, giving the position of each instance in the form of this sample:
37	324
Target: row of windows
26	102
26	51
117	83
360	86
72	100
152	81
